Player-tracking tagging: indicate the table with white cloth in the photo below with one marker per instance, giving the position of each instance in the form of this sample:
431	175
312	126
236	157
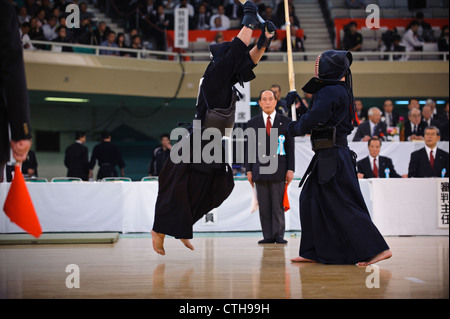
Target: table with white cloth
397	207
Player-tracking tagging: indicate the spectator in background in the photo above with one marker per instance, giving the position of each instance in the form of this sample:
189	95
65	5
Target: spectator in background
281	107
84	33
360	110
29	166
100	33
111	43
84	13
372	127
136	43
296	42
414	127
435	115
33	8
218	25
49	29
427	113
41	18
35	31
202	18
352	38
160	155
391	117
120	41
62	38
424	31
445	126
429	161
23	15
234	10
160	22
443	40
269	15
23	31
76	158
413	103
186	4
108	157
411	39
374	165
225	21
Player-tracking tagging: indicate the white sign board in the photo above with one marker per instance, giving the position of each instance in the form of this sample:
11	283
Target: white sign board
243	113
181	28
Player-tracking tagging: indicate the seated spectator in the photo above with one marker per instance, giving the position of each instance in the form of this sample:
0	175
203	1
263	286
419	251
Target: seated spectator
100	33
109	42
355	4
424	31
392	42
49	29
429	161
120	41
297	43
70	33
35	31
412	104
234	10
360	110
23	31
62	38
23	15
136	43
435	115
443	40
160	23
225	21
411	40
372	127
160	155
352	38
269	15
218	38
202	18
41	18
84	13
427	113
374	165
29	166
186	4
84	34
281	108
414	127
391	117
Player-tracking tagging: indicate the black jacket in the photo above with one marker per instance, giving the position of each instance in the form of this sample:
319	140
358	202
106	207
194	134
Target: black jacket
14	104
365	168
285	162
419	164
77	161
364	129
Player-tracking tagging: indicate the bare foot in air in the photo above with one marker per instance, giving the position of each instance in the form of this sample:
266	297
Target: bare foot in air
383	255
187	243
300	259
158	242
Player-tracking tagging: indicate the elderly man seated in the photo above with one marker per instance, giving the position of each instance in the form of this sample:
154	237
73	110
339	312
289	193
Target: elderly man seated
373	127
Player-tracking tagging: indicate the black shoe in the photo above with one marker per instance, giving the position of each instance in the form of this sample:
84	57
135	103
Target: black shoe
266	241
281	241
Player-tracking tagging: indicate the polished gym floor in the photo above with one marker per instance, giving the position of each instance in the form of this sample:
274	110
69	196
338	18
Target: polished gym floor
222	266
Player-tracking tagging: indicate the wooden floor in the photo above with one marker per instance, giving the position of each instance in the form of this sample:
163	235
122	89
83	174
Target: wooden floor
221	267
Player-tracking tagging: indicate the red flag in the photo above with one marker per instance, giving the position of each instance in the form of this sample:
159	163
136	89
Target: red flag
19	207
286	199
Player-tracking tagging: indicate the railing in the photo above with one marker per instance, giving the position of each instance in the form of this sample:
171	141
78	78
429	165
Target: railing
195	56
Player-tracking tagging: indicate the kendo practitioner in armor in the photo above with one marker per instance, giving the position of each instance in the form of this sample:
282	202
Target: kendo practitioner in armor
336	225
188	191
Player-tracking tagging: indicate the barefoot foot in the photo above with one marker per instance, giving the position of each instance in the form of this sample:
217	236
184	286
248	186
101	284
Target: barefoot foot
381	256
187	243
158	242
300	259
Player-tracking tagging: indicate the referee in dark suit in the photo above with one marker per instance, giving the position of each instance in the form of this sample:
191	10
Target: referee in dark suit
77	158
270	187
14	104
374	165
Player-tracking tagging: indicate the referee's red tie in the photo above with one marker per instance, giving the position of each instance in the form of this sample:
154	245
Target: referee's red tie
375	168
431	159
268	125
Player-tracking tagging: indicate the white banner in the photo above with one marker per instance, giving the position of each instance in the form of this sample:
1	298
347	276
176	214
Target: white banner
181	28
243	113
443	203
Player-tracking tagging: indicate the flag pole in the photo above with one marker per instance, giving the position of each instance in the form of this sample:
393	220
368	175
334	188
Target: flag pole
291	72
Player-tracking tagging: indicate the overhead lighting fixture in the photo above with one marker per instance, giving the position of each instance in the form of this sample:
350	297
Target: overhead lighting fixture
65	99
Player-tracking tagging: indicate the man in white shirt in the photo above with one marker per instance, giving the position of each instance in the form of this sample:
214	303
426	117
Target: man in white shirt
225	20
49	29
410	39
